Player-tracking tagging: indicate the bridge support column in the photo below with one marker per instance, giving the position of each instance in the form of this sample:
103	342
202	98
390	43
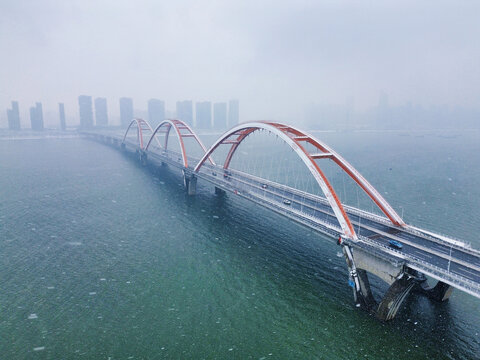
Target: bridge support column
394	297
358	280
143	157
440	292
190	182
401	283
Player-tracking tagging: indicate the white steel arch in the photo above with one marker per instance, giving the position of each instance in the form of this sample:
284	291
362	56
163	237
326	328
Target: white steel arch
142	126
243	130
294	138
183	131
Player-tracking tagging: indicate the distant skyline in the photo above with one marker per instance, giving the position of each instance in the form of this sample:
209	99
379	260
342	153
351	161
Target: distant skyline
341	116
276	57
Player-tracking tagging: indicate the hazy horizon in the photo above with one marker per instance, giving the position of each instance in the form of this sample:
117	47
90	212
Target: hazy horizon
276	58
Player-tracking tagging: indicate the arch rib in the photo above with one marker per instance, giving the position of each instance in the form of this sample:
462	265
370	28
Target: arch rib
294	137
182	130
142	125
373	193
243	130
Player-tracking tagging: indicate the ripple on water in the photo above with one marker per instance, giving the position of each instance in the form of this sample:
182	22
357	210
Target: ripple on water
74	243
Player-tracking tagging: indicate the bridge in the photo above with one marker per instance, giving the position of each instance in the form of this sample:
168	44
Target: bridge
384	245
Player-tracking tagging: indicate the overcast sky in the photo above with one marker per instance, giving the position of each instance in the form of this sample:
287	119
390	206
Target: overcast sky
274	56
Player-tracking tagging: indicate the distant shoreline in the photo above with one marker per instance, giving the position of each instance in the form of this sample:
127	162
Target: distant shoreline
8	135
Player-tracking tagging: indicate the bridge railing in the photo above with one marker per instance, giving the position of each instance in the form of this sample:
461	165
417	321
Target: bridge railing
448	277
173	155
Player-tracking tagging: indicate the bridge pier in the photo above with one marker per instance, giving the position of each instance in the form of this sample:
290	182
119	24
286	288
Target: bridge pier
358	280
394	297
401	283
440	292
143	157
190	182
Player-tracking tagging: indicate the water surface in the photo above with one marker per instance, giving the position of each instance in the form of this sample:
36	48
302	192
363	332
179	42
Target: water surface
103	258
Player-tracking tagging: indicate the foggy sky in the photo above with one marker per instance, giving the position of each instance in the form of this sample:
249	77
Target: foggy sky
274	56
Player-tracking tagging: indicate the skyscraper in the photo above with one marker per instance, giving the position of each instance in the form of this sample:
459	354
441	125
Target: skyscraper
61	112
185	111
203	115
233	113
126	111
86	112
101	116
36	117
220	116
156	112
13	116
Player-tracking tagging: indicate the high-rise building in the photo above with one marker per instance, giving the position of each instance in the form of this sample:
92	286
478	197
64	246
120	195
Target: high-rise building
86	112
126	111
203	115
156	112
36	117
101	116
220	116
61	112
13	116
185	111
233	113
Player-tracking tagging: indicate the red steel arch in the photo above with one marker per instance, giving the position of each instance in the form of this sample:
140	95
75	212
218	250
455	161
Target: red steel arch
183	131
142	126
294	138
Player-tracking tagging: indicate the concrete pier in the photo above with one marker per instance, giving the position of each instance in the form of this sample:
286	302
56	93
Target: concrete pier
190	182
440	292
394	297
360	263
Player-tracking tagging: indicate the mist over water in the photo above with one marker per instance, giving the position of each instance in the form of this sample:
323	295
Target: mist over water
102	257
326	64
